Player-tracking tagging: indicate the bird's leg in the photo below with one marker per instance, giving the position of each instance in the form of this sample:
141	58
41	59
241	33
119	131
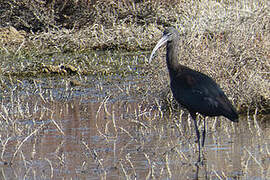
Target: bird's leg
193	115
203	134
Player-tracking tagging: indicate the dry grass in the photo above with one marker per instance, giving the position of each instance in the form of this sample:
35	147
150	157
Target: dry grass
228	40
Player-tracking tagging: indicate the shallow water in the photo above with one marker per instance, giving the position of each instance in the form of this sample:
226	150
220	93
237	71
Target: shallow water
107	130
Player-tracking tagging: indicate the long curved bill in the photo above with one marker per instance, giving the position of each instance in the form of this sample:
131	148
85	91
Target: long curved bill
162	41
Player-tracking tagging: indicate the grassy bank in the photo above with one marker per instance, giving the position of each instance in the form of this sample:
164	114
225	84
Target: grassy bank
228	40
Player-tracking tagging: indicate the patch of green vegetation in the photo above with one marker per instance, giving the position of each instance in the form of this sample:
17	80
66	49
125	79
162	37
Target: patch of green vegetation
84	63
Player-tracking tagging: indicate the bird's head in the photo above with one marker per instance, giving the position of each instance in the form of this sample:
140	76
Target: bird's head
169	35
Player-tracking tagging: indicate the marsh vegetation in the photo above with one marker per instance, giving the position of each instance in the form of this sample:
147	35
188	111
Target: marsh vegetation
79	98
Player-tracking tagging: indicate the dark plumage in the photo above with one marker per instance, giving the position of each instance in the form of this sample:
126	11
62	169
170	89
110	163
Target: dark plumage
193	90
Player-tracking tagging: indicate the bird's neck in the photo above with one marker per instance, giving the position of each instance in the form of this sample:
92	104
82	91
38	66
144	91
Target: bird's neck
172	57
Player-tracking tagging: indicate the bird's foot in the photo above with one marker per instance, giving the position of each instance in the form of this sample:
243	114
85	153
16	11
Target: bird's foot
199	163
201	159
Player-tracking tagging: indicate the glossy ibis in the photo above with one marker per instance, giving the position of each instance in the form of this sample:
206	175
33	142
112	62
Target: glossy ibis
195	91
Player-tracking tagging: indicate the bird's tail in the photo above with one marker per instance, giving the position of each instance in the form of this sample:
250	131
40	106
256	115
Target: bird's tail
232	115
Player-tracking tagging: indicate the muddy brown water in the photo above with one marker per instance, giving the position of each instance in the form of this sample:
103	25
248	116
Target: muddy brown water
103	131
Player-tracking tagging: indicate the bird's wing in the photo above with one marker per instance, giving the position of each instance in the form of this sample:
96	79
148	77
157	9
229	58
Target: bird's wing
200	93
